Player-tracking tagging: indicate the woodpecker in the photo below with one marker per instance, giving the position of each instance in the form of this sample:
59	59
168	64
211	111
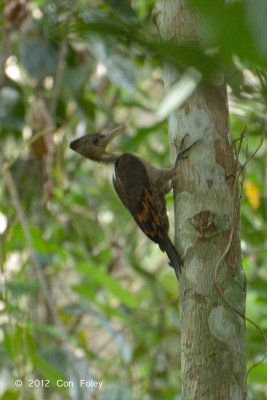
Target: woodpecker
140	186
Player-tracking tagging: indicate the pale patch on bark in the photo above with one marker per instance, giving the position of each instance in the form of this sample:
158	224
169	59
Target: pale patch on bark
235	392
194	272
220	326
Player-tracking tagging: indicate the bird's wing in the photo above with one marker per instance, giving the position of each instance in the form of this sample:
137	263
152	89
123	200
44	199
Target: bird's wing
133	187
119	189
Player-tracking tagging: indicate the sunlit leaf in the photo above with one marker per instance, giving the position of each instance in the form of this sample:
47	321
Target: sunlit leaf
253	194
179	92
11	395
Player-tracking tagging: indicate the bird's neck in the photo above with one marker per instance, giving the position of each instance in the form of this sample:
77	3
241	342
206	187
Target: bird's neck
110	158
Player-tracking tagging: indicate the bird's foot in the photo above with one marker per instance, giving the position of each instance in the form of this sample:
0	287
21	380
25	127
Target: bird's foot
182	143
181	151
230	176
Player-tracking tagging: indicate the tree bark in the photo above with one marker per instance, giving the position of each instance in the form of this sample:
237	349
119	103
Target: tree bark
213	358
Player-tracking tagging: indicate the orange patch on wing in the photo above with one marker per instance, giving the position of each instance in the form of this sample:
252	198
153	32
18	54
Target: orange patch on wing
148	208
155	219
150	234
148	198
149	217
143	216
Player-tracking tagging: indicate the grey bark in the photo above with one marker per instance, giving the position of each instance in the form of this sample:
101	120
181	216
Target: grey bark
213	358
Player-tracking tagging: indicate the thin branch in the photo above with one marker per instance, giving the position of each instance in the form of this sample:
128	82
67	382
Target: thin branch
38	269
239	169
248	158
58	78
257	149
7	164
26	230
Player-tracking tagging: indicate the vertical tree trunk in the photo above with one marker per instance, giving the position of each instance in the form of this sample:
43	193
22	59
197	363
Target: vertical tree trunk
213	335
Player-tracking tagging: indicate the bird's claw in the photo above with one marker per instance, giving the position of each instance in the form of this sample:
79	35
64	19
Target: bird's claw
181	151
180	147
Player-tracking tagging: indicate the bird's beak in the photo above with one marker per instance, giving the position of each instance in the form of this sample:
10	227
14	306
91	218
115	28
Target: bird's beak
113	133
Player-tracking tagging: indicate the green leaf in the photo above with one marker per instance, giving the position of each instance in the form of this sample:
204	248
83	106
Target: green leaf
23	287
74	78
48	372
39	57
100	277
11	395
258	373
179	92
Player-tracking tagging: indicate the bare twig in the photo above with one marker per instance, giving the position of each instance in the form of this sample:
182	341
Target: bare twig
26	230
239	169
58	78
7	164
37	267
257	149
248	158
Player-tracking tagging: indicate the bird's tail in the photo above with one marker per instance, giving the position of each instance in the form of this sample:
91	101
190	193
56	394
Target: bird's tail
175	259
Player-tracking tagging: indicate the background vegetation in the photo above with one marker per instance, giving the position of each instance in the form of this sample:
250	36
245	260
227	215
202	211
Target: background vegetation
84	295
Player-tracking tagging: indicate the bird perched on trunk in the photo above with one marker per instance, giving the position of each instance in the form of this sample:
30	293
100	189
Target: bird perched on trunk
140	186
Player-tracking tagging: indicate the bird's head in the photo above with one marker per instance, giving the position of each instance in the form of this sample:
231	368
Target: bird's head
93	145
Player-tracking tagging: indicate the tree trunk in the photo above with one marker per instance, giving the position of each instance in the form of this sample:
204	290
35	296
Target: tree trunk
213	335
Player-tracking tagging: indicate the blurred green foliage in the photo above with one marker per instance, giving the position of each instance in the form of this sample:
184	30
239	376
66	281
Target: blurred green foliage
68	68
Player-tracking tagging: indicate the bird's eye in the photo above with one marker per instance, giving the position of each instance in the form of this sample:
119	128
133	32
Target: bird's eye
95	140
